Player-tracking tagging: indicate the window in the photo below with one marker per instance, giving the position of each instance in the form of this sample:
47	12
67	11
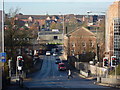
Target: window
83	44
116	37
55	37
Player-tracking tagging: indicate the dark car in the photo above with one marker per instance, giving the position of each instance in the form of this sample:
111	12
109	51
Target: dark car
61	66
58	61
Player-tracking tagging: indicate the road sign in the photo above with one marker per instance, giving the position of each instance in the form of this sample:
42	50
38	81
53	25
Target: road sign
2	57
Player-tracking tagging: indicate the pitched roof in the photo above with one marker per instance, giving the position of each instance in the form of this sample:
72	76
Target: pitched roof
34	16
82	32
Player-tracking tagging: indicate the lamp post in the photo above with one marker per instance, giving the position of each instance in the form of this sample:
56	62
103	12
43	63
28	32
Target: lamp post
63	28
63	24
3	26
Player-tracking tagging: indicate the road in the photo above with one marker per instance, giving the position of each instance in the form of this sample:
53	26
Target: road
50	77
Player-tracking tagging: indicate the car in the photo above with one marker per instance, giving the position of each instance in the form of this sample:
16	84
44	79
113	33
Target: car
54	54
48	53
58	61
61	66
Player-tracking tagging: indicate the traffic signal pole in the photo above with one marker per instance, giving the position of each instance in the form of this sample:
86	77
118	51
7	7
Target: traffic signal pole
115	72
16	70
19	65
3	26
114	64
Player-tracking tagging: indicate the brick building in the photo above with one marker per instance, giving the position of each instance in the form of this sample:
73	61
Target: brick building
80	41
112	40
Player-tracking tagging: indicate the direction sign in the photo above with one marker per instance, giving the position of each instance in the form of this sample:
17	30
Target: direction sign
2	57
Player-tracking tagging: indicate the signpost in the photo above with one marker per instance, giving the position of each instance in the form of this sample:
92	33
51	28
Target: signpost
3	57
2	61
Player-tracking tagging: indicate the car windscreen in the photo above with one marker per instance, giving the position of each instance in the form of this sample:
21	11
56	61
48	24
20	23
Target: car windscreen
62	65
58	59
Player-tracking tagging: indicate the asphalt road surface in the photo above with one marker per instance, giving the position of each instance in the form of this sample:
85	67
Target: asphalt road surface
50	77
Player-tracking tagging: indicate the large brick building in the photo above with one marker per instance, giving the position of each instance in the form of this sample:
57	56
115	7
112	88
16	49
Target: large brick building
80	41
112	40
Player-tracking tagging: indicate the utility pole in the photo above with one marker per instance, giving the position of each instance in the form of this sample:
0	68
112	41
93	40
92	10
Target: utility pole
63	24
2	44
3	26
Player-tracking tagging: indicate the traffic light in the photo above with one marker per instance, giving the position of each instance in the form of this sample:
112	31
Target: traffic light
105	61
113	61
20	62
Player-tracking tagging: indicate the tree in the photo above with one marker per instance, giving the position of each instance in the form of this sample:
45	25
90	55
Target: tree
16	36
53	25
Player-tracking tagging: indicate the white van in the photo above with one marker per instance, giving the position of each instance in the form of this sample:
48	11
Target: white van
47	53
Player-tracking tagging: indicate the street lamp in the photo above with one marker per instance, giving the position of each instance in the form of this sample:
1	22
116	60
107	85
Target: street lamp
63	24
2	25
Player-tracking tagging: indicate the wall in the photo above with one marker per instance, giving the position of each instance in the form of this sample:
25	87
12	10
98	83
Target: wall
82	66
99	71
110	81
49	37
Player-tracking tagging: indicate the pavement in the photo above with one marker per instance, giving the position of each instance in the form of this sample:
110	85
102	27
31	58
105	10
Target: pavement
17	87
92	78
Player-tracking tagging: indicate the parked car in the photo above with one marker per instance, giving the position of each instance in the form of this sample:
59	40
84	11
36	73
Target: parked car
58	61
54	54
48	53
61	66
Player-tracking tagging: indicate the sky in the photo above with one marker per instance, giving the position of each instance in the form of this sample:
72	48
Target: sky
59	0
55	7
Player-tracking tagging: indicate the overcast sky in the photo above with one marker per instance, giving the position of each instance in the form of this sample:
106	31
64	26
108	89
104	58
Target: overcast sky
59	0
